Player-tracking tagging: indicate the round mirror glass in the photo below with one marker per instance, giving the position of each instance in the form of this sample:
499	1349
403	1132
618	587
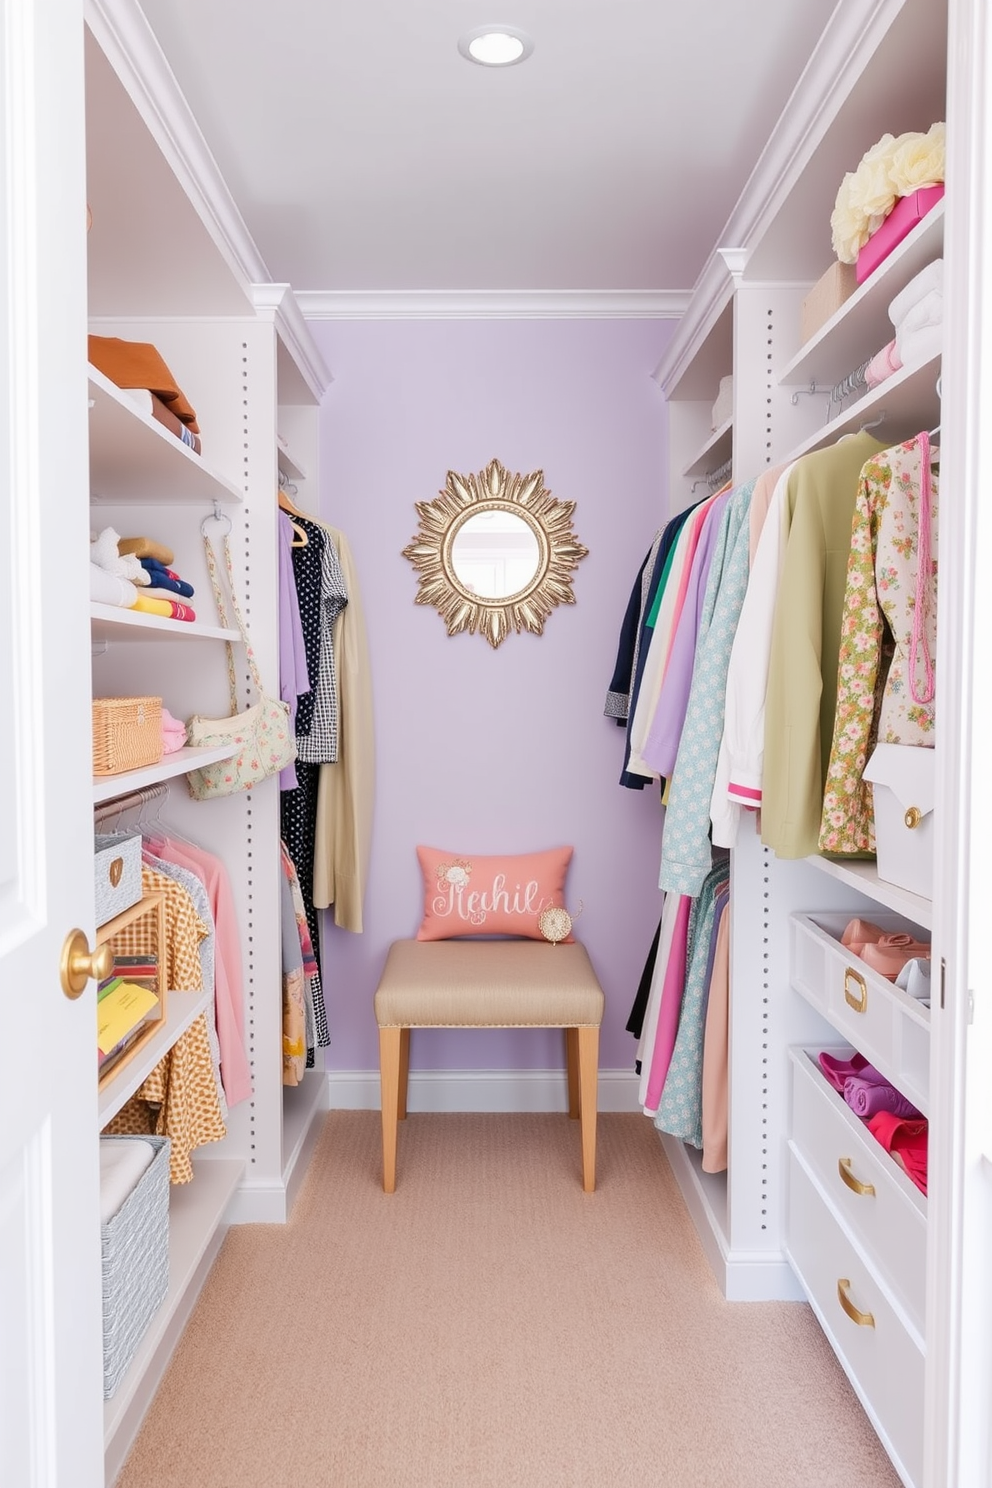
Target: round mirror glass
495	554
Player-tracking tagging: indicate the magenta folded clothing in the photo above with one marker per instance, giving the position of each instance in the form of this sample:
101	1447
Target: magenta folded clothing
866	1097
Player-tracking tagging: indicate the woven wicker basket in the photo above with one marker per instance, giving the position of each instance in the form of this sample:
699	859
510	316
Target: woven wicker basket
127	733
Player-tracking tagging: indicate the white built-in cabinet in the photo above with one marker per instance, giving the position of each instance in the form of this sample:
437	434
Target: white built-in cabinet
163	267
810	1205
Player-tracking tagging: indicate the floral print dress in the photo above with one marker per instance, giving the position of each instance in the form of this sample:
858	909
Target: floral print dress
879	609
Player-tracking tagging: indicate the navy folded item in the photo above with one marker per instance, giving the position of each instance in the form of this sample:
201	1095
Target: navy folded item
164	578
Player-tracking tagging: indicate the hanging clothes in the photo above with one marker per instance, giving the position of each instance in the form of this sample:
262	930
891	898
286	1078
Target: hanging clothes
345	795
802	675
686	851
317	741
178	1099
294	678
680	1107
887	589
665	728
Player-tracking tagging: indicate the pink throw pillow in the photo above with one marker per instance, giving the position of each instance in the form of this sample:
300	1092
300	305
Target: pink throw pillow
465	894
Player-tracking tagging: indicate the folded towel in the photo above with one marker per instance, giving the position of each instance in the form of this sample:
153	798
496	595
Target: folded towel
164	590
920	346
170	588
929	278
926	312
866	1097
107	588
883	364
122	1162
165	578
173	733
104	553
146	547
170	609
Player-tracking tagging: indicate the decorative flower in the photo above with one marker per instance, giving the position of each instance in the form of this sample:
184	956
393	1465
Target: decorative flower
893	167
918	160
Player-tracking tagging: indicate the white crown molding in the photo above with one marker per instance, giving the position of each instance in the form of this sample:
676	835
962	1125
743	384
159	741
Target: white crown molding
480	1090
124	35
851	35
492	304
279	301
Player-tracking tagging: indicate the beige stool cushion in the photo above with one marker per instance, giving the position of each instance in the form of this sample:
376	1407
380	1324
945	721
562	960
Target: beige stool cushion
487	984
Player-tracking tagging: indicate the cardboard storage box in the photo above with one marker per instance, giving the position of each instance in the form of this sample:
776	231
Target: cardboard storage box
903	782
826	298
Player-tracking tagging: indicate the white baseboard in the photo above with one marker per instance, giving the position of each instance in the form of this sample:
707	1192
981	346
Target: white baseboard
480	1090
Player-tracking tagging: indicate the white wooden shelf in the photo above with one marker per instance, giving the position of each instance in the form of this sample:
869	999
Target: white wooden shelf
863	876
134	458
112	623
197	1212
861	326
715	452
906	403
289	464
183	1009
106	787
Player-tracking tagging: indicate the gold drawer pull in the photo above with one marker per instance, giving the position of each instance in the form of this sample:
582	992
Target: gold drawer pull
858	998
913	817
863	1319
854	1184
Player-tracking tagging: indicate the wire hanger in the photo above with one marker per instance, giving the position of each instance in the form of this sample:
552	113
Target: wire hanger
872	423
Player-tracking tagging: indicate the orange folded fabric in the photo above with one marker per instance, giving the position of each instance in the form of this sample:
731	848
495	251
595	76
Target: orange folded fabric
138	364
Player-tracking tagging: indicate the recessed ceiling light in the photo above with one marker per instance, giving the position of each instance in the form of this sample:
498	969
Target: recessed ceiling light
496	46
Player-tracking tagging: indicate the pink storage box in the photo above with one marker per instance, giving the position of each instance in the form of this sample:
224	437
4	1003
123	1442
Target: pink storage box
907	212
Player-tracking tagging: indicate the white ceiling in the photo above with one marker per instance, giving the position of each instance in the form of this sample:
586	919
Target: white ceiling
366	154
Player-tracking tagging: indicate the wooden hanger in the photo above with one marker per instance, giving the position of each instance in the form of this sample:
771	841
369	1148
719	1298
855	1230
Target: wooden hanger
300	538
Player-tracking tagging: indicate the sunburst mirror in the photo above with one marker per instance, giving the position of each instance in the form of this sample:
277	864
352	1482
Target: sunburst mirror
495	553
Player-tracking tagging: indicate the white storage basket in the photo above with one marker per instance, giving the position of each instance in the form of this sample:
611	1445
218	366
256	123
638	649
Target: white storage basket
117	866
135	1255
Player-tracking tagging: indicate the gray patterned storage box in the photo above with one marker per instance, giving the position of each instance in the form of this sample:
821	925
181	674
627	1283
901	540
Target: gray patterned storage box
117	865
135	1253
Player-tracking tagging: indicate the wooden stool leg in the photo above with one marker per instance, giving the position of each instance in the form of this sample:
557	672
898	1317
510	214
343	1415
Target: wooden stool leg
404	1073
588	1079
572	1066
390	1043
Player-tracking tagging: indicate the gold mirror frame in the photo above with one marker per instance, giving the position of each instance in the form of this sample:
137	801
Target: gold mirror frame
494	489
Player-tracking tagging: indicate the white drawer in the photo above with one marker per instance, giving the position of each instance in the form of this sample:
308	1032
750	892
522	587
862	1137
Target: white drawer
883	1359
886	1025
889	1222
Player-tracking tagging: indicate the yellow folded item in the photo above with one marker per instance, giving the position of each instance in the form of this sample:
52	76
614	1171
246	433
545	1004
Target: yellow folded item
149	606
120	1011
146	547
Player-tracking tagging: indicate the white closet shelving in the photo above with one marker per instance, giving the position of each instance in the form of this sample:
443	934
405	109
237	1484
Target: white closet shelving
784	1221
170	263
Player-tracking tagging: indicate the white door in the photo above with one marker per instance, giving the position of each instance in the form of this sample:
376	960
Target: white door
51	1418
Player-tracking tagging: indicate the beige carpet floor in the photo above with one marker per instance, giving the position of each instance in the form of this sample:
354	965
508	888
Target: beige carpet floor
491	1326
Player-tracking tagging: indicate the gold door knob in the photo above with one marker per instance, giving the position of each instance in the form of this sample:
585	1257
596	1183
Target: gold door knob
913	817
79	964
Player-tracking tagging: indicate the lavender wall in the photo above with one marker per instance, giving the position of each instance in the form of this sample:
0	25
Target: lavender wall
496	751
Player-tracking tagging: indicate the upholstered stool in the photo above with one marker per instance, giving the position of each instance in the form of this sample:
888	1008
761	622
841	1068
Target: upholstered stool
489	984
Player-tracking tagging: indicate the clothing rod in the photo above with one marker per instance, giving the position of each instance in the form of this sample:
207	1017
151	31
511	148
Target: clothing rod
128	802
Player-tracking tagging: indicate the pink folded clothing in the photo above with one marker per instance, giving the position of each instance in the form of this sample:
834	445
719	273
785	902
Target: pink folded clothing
883	364
866	1097
173	733
907	1143
838	1070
